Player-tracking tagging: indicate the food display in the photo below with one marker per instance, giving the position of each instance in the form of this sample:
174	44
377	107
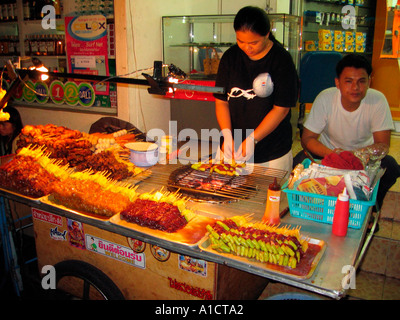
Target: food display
88	196
23	174
4	116
264	243
79	150
160	216
165	212
106	161
64	144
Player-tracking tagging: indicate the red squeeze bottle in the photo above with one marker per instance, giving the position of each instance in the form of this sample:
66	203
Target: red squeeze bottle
271	214
341	215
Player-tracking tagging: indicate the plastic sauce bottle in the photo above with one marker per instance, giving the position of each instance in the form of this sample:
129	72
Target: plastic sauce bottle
271	214
341	215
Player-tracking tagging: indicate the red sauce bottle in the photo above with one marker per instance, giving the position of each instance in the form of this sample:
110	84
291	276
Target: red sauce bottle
341	215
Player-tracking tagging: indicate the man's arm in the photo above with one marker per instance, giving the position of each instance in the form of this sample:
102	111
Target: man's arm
382	137
310	142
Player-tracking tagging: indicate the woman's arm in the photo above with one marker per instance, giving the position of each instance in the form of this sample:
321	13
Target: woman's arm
223	114
270	122
267	125
224	121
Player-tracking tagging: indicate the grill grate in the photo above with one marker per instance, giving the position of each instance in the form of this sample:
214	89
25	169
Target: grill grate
216	188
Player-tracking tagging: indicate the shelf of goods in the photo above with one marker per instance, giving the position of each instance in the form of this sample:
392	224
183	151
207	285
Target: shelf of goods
341	26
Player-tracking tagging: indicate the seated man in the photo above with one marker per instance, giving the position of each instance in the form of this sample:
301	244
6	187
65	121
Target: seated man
351	116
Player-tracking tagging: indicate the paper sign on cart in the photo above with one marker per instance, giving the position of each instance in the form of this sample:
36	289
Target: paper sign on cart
115	251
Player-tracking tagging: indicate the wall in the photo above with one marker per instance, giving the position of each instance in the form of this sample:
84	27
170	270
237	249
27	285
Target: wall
144	18
143	47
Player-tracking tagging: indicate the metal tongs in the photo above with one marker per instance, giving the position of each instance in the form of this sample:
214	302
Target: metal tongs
309	156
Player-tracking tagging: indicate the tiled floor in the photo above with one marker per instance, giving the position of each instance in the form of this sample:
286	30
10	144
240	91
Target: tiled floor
378	277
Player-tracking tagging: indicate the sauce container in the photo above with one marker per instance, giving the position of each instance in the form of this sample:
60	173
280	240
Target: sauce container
143	154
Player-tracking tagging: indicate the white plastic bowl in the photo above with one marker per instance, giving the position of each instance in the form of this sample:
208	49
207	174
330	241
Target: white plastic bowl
143	154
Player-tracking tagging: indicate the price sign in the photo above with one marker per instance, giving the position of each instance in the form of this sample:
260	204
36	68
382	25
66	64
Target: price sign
71	93
28	92
57	92
41	92
18	93
86	94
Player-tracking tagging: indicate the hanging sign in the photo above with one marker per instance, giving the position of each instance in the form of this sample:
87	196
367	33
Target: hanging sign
70	93
87	50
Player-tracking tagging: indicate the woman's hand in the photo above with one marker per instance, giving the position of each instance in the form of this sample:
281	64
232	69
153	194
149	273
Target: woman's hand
225	153
246	150
228	146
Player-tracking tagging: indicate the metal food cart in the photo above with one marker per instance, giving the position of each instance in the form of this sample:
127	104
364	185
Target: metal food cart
142	264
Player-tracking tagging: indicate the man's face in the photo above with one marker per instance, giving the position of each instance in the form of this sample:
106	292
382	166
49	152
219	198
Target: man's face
252	44
353	84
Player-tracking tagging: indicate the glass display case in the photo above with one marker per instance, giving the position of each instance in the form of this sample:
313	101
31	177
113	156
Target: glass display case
391	45
386	54
190	42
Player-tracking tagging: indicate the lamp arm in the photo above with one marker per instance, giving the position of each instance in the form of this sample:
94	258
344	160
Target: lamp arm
14	86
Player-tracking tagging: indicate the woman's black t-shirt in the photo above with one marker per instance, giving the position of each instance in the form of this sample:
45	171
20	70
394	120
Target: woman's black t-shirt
236	71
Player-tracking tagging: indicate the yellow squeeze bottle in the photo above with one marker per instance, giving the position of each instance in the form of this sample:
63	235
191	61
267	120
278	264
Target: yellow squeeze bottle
271	214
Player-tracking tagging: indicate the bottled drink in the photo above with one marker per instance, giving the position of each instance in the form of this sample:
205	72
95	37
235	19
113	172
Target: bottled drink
16	46
271	214
341	215
58	8
60	45
50	45
42	45
27	45
4	9
34	45
27	11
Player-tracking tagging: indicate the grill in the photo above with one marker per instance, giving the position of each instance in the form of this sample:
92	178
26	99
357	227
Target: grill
203	186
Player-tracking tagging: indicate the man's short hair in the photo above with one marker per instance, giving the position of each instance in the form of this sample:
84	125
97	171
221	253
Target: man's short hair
357	61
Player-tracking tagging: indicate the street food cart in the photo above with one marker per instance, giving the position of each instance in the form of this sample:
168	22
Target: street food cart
118	259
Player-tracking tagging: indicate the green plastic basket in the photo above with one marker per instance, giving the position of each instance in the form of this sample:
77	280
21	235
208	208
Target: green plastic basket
321	208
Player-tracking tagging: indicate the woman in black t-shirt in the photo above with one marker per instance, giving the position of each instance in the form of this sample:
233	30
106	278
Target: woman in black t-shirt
261	86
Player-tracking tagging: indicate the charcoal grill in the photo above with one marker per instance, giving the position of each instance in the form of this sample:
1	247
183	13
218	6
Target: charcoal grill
203	186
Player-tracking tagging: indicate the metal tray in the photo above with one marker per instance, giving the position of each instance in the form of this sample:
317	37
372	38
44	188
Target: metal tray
18	196
85	216
191	235
265	266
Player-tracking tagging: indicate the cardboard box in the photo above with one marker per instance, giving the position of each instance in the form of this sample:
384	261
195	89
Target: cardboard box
349	47
350	36
361	37
325	35
325	45
339	36
310	45
360	47
338	46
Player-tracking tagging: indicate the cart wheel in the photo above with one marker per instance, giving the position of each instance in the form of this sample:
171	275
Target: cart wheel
85	281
